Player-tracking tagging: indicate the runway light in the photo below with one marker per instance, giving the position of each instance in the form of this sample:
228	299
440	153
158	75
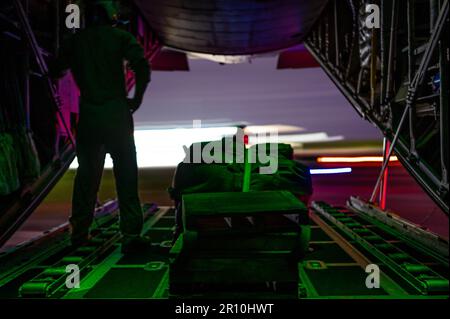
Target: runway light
355	159
309	138
164	147
296	138
279	128
323	171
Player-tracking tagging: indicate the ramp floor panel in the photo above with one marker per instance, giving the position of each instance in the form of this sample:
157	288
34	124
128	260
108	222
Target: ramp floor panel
328	253
329	268
318	234
127	283
156	254
341	281
159	235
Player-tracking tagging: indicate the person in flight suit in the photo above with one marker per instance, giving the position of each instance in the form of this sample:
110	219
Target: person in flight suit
96	58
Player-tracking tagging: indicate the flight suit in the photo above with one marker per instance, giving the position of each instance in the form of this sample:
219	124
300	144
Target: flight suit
96	58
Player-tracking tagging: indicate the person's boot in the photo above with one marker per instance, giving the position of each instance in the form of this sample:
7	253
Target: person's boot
79	240
136	244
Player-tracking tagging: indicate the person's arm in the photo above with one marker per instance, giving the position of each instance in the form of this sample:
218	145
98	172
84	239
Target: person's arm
134	54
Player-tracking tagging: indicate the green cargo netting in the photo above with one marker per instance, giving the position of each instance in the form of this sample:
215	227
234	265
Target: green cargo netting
228	177
9	175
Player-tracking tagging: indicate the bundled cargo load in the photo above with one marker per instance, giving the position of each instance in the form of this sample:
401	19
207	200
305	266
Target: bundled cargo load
222	176
194	175
290	175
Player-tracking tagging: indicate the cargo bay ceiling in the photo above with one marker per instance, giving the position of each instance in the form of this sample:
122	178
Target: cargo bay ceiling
231	27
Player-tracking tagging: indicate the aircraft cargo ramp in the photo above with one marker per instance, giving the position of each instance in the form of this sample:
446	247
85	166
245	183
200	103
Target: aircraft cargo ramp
343	242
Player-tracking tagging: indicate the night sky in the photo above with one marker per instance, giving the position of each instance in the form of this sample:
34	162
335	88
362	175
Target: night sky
256	93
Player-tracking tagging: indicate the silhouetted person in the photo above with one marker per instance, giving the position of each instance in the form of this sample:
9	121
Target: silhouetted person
96	58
